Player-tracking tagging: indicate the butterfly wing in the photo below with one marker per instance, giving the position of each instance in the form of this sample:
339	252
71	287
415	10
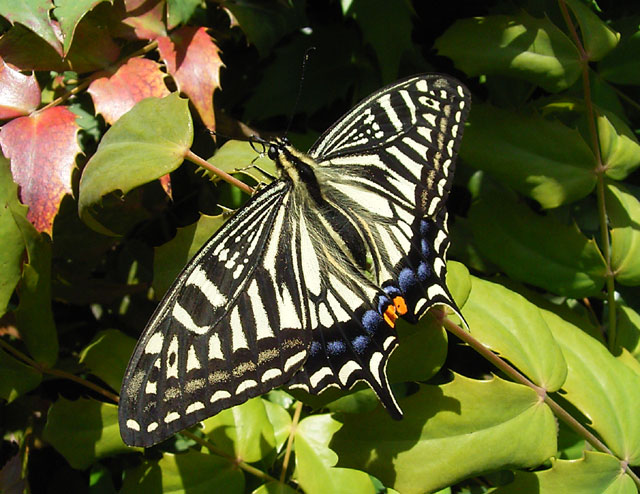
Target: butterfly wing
230	327
389	163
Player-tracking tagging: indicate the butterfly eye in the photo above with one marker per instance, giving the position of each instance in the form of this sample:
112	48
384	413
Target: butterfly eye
273	152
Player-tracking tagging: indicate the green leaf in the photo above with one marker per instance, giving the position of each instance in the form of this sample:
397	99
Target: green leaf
315	461
458	282
622	65
618	145
628	334
240	157
513	327
93	425
172	257
518	46
144	144
16	378
596	473
450	432
265	23
243	431
598	38
386	26
180	11
542	159
13	244
525	245
623	210
599	386
69	13
33	315
188	473
33	14
108	355
274	488
280	420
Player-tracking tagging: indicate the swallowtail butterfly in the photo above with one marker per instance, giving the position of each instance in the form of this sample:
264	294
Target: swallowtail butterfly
303	285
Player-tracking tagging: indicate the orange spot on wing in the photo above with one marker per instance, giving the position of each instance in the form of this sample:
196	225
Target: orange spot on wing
401	305
390	315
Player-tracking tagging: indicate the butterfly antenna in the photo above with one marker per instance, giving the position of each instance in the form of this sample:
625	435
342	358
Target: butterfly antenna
305	59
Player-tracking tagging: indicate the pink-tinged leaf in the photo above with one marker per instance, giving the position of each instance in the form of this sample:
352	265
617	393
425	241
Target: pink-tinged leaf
93	49
33	14
115	95
146	17
19	93
193	60
42	148
165	182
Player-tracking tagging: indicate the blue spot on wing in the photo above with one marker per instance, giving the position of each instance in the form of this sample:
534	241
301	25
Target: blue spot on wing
383	303
315	348
335	347
424	227
360	343
426	248
407	280
371	320
423	271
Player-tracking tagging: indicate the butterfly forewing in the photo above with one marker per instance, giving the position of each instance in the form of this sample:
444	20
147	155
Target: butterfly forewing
230	328
304	284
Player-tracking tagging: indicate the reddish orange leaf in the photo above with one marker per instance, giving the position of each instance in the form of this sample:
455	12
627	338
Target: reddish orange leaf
42	148
193	59
165	182
146	17
115	95
19	93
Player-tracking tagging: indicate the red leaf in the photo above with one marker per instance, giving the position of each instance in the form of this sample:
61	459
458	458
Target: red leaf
42	148
19	94
193	59
146	17
136	80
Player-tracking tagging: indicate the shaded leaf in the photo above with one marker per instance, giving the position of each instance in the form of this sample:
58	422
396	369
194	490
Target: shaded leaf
628	334
171	258
598	385
69	13
264	23
137	79
386	26
189	473
180	11
513	327
623	210
42	148
13	244
193	60
243	431
525	246
281	422
622	65
12	478
443	430
596	473
598	38
274	488
240	157
16	378
33	14
147	142
108	355
315	461
518	46
19	93
542	159
93	425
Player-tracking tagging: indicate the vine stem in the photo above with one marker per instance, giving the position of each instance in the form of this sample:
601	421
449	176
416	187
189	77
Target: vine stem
194	158
516	375
292	432
600	170
43	369
218	452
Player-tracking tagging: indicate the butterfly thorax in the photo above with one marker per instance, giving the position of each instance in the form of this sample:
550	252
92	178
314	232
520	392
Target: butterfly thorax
316	205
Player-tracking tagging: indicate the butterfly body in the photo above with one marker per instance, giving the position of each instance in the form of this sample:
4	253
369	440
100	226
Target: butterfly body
304	284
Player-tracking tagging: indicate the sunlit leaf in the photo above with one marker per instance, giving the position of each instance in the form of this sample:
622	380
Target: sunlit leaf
598	38
623	210
107	356
19	93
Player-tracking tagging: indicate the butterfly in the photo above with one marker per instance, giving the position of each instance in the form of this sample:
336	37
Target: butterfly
303	285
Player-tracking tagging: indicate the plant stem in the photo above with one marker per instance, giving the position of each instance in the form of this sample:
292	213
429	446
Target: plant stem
600	170
194	158
516	375
218	452
292	432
